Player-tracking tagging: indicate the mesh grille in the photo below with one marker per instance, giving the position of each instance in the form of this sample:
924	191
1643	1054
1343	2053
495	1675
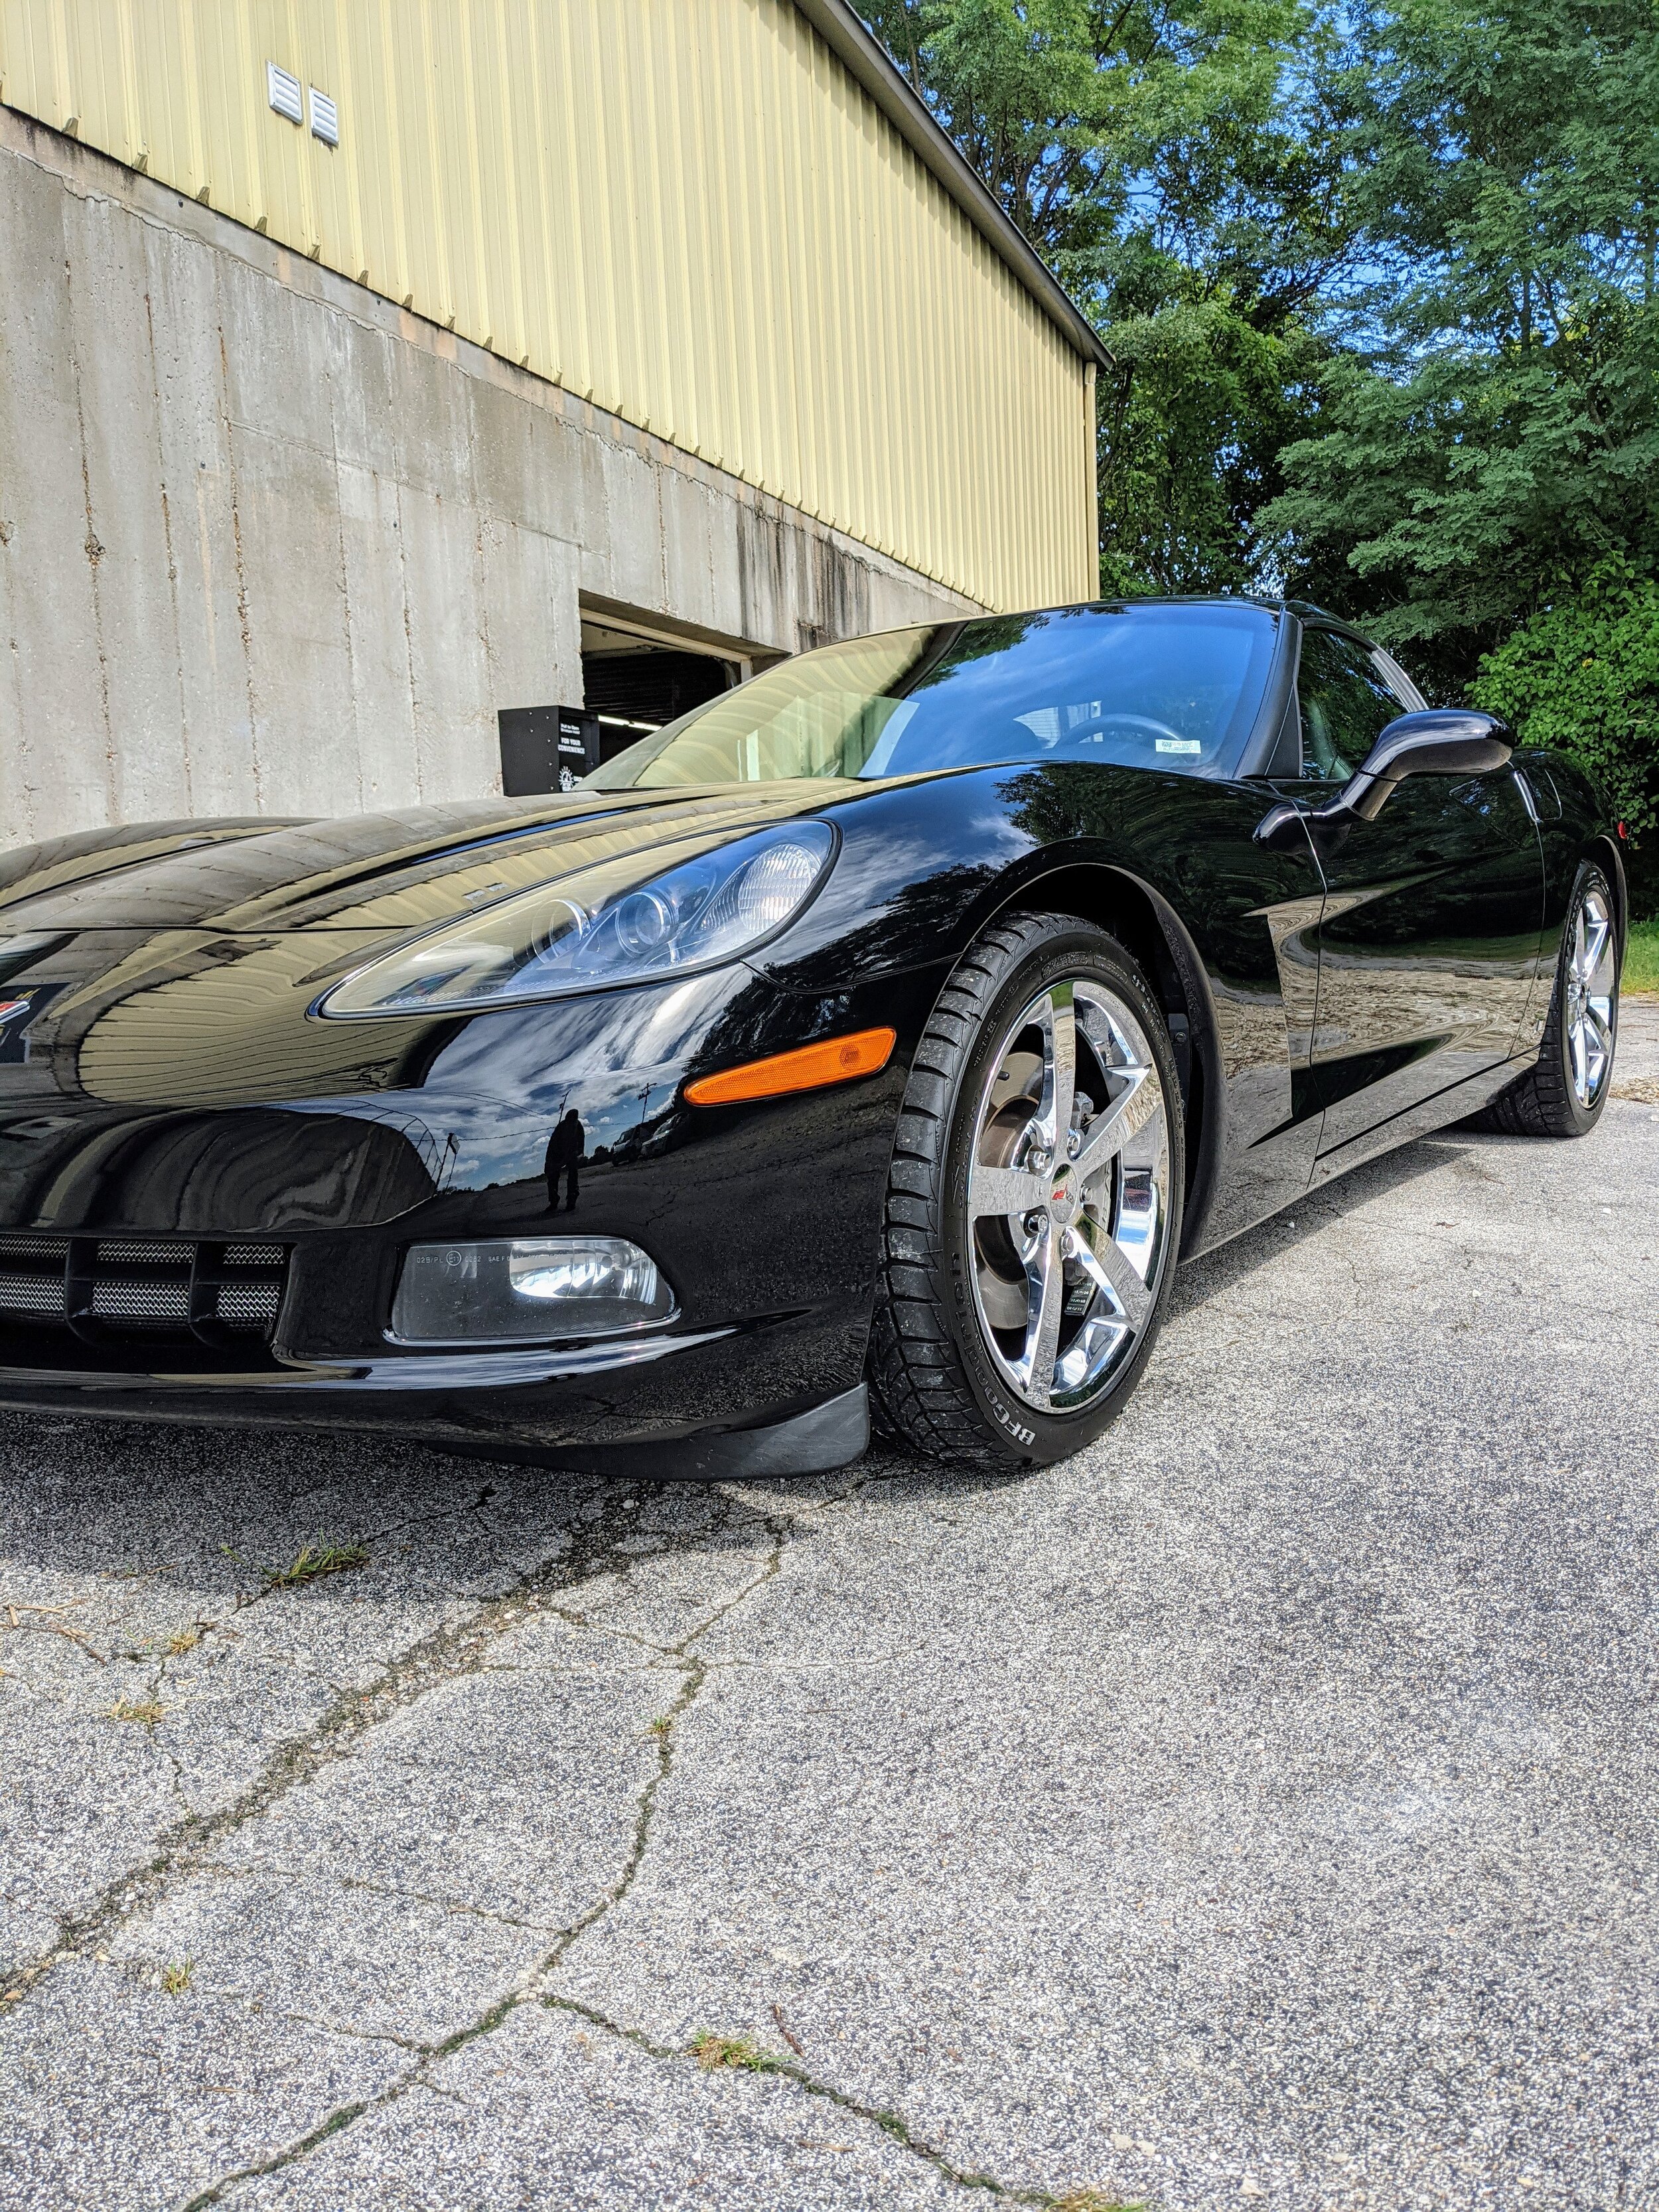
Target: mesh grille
142	1302
248	1305
106	1287
146	1255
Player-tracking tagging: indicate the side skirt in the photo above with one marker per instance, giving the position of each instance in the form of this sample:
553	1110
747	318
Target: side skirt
1421	1120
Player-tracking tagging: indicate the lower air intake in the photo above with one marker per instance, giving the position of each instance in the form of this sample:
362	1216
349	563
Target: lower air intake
105	1289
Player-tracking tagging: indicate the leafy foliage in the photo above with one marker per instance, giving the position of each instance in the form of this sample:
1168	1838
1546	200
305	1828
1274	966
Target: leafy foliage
1582	676
1499	440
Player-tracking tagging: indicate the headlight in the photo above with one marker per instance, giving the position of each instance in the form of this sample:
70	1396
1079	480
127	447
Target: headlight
600	926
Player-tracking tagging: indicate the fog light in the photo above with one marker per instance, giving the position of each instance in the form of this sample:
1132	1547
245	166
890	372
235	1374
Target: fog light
524	1290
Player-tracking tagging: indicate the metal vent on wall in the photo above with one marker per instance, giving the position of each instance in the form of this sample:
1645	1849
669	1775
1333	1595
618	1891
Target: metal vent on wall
103	1288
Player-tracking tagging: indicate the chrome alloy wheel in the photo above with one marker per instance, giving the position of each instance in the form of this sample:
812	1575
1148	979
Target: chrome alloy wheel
1591	977
1068	1195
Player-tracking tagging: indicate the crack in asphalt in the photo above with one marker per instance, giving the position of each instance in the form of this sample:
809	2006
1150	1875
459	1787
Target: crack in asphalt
453	1651
892	2124
459	1649
695	1673
531	1989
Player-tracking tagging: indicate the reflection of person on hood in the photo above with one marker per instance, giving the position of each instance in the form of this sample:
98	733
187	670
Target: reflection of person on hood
564	1153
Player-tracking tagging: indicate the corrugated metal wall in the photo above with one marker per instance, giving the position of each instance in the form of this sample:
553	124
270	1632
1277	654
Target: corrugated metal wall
685	210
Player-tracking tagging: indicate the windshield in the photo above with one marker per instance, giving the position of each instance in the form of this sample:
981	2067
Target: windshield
1172	687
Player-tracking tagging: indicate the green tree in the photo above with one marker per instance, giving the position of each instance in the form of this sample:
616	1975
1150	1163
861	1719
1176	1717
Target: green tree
1583	675
1499	442
1186	173
1380	282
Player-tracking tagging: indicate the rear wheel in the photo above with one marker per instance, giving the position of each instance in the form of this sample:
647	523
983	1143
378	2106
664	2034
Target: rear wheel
1034	1203
1562	1094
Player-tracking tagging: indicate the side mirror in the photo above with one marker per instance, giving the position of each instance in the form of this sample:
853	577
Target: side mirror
1441	741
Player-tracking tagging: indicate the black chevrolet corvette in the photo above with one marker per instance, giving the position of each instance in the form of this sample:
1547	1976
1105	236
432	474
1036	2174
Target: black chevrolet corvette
870	1041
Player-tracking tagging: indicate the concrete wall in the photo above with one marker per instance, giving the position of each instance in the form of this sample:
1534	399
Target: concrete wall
269	543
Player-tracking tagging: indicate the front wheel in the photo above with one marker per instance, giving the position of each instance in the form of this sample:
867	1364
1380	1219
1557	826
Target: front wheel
1562	1094
1033	1208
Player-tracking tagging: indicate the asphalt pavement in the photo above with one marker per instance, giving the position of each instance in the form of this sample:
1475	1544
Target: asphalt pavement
1259	1806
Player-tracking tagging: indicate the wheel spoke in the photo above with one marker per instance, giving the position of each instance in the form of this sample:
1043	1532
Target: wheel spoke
1580	1041
1108	1267
1004	1190
1603	978
1109	1132
1597	931
1059	1066
1045	1294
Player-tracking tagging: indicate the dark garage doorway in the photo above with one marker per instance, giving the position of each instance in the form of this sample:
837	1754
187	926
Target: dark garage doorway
633	681
633	684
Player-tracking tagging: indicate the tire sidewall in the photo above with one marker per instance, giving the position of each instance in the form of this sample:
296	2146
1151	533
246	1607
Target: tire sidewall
1028	1435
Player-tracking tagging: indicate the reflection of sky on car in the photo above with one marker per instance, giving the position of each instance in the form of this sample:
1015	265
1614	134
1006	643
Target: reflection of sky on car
513	1151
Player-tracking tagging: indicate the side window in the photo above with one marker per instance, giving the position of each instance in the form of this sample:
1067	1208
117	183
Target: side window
1345	704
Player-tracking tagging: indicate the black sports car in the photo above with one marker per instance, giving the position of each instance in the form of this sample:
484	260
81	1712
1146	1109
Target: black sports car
874	1038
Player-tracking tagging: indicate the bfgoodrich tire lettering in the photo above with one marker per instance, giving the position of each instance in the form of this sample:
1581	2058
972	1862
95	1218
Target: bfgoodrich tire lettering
1033	1208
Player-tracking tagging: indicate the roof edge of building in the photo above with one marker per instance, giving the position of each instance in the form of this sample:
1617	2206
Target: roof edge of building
868	61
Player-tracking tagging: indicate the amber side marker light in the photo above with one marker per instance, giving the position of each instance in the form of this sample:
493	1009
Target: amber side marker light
809	1069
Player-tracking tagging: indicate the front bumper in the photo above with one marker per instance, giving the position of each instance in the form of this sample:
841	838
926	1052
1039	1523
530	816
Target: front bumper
763	1218
582	1408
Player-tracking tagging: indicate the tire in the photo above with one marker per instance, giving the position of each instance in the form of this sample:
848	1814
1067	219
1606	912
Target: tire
1563	1093
1004	1339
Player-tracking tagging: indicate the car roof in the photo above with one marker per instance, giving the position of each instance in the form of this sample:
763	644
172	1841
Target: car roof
1304	610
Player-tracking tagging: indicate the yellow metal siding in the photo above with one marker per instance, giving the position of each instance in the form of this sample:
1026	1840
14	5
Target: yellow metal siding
687	212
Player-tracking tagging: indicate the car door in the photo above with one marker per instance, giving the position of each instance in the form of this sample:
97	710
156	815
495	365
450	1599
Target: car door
1433	912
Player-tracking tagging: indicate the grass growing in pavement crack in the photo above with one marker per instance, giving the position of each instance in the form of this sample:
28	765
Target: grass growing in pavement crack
714	2052
146	1710
314	1559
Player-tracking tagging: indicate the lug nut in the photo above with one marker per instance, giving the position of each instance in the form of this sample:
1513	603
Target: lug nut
1034	1225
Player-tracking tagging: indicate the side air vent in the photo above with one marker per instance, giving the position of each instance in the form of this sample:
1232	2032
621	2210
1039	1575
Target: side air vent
105	1288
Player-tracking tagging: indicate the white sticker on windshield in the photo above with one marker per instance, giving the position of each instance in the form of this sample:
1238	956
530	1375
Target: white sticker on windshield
1180	744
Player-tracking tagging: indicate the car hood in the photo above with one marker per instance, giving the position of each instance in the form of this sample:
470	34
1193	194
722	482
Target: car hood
378	874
